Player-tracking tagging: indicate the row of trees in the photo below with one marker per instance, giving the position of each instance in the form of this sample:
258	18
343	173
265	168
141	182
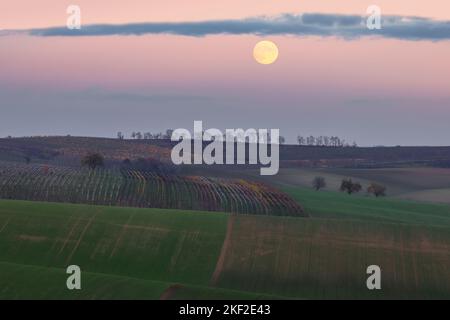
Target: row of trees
350	187
324	141
168	134
146	135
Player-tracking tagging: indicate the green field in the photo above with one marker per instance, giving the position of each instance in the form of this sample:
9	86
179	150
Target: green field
416	183
156	244
124	253
327	258
156	253
32	282
21	281
335	205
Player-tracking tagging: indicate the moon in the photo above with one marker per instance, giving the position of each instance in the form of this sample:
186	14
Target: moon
265	52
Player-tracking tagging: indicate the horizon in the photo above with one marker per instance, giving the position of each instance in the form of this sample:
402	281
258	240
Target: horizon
287	143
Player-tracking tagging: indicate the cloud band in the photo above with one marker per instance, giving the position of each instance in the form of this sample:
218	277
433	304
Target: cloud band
308	24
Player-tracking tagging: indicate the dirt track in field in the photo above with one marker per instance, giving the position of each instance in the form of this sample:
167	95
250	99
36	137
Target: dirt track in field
170	292
223	252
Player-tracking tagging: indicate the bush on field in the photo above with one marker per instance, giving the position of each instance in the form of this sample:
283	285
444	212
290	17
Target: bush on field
319	183
377	190
93	160
350	187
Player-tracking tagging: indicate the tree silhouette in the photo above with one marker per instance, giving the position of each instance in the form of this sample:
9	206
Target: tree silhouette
93	160
319	183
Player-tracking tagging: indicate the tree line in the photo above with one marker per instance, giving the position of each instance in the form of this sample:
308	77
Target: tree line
138	135
324	141
319	141
350	187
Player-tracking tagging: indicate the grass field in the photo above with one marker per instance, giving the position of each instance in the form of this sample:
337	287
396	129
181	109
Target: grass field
336	205
124	253
150	244
155	253
33	282
327	258
417	183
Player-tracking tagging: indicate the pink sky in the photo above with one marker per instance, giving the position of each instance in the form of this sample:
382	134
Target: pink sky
314	76
225	62
43	13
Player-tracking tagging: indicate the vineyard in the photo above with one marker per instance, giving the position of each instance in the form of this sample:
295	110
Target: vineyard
134	188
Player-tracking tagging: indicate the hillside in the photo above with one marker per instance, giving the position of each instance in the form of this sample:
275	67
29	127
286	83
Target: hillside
68	150
421	184
219	232
135	188
151	253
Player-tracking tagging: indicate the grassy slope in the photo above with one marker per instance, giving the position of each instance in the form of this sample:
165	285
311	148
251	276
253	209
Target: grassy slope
327	258
155	250
150	244
33	282
417	183
324	256
327	204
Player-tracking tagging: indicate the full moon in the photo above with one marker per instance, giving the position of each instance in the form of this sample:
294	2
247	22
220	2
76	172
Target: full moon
265	52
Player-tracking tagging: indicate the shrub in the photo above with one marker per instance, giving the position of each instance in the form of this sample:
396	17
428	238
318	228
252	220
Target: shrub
350	187
377	190
93	160
319	183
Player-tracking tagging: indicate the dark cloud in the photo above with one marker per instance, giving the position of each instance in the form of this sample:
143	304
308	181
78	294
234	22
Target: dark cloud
310	24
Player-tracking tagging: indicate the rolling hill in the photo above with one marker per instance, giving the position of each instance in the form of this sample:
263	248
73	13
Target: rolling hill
66	150
170	254
219	232
135	188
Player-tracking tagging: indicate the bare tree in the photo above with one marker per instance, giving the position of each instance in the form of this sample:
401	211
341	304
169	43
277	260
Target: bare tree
301	140
168	134
92	160
335	141
350	187
310	140
319	141
377	190
319	183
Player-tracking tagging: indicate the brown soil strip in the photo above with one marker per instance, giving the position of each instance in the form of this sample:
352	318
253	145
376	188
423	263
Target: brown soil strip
31	238
170	292
223	253
138	227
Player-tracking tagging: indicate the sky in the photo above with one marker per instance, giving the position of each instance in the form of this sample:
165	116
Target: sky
148	65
